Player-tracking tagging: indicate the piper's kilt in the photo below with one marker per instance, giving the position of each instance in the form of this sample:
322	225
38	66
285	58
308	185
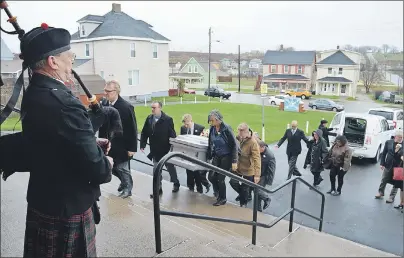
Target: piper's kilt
48	236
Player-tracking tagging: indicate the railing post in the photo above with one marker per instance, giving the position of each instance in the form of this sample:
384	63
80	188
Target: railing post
320	227
156	204
292	205
255	214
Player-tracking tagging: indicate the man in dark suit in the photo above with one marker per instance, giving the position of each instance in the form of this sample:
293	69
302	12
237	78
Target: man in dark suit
294	136
386	165
123	147
197	178
158	128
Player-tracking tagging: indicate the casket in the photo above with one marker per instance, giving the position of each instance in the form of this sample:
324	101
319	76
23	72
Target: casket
192	145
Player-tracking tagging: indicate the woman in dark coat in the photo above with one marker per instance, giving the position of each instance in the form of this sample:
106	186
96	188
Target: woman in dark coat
398	162
318	153
223	150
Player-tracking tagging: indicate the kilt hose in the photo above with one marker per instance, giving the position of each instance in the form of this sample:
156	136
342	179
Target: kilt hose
53	237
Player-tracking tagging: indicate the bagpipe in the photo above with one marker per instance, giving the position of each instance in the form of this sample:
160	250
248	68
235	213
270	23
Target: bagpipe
12	146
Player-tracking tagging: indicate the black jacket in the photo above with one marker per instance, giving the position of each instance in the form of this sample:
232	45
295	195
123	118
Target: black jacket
159	138
198	129
387	157
66	164
229	138
318	152
294	146
121	144
326	133
268	165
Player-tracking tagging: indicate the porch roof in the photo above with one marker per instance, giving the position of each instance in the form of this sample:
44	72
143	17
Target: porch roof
285	77
334	79
186	75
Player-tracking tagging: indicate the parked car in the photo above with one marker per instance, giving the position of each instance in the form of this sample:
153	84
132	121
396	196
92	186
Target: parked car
366	134
189	91
215	91
303	94
394	116
277	99
326	104
398	100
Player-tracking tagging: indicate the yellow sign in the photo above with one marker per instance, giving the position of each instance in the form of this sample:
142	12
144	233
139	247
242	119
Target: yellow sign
264	89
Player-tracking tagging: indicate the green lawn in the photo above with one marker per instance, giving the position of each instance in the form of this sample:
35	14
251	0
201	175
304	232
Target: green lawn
389	56
243	82
234	114
325	97
185	97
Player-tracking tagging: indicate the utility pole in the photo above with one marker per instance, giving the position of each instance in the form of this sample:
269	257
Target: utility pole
239	69
210	46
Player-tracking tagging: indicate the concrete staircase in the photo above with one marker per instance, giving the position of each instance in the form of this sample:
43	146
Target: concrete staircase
127	227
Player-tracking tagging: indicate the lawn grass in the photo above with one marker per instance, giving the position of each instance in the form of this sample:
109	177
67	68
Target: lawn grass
389	56
351	99
185	97
243	82
234	114
325	97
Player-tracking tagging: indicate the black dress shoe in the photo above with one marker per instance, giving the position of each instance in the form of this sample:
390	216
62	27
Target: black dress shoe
120	188
160	193
220	202
238	198
199	190
297	173
176	188
266	203
207	188
125	194
191	189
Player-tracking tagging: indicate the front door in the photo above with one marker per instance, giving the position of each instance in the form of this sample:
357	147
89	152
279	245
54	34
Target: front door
343	89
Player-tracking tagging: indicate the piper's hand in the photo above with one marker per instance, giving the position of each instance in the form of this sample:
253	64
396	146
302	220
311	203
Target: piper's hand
130	153
256	179
111	161
234	166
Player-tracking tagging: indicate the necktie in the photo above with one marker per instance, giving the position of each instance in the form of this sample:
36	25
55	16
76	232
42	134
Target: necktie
189	131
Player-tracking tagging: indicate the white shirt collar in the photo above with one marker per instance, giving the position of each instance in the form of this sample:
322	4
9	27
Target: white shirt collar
113	103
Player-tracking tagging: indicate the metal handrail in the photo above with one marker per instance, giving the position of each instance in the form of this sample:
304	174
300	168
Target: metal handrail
157	211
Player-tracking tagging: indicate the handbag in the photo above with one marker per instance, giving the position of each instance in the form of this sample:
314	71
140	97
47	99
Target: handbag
398	173
327	161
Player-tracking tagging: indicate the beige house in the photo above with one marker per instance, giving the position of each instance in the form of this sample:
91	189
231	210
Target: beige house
119	47
338	72
285	70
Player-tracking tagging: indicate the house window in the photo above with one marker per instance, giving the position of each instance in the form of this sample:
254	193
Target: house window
87	50
189	69
102	74
340	71
299	69
83	32
132	50
154	50
325	87
329	70
133	77
286	69
273	68
195	69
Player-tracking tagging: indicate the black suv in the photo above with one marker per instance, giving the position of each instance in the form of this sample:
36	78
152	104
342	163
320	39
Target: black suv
215	91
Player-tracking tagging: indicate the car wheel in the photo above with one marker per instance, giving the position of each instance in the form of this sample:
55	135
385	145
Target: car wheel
314	107
377	156
303	97
334	109
273	103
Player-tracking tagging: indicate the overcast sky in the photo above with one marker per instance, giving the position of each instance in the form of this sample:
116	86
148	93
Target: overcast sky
253	25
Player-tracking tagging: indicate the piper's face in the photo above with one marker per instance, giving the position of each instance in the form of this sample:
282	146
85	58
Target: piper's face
63	64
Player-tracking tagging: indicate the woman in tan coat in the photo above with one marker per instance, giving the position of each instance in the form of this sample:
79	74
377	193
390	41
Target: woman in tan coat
249	163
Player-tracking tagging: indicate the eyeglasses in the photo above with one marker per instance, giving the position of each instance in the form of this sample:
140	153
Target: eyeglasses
109	91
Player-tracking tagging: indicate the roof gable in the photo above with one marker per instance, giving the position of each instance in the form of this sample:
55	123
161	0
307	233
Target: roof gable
6	53
191	61
289	57
338	58
121	25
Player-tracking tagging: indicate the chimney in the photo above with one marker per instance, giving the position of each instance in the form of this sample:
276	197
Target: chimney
281	48
116	8
338	47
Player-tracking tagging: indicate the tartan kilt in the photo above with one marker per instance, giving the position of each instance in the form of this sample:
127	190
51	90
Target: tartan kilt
47	236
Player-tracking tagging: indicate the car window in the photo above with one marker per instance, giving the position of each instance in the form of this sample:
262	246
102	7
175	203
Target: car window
400	116
336	120
386	114
383	125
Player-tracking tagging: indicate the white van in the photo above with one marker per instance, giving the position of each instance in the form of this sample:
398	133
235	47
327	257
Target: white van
366	134
394	116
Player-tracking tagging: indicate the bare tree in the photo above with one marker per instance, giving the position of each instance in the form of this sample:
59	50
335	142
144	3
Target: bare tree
394	50
348	47
385	48
370	75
